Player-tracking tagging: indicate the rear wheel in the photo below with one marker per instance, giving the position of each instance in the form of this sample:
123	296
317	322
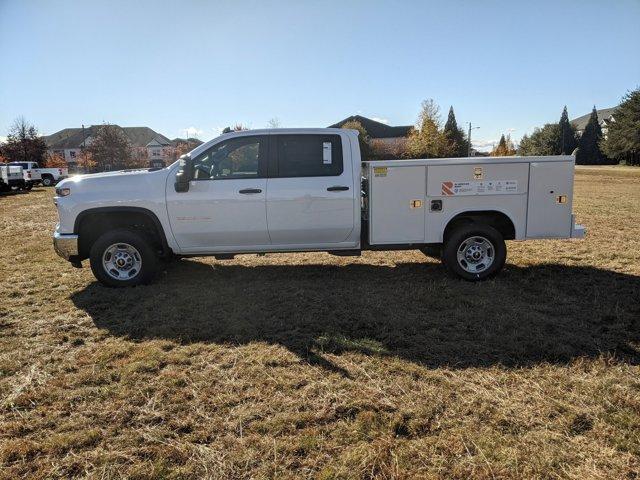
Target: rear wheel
47	181
123	258
475	252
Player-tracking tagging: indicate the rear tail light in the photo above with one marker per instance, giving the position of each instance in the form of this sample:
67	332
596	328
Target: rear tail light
28	174
60	171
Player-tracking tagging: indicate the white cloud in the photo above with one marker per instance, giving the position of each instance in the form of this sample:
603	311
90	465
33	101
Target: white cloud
381	120
484	145
191	132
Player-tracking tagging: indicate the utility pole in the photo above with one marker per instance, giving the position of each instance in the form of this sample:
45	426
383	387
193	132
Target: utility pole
469	139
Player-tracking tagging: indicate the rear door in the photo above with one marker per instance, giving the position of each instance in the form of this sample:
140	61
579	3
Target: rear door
224	207
310	197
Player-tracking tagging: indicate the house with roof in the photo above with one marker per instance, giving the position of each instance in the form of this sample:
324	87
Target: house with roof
385	139
147	143
605	117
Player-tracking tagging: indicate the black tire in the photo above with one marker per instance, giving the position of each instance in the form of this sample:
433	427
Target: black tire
28	186
463	236
47	181
149	259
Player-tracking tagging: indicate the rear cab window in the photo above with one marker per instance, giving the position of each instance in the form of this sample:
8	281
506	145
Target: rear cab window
305	155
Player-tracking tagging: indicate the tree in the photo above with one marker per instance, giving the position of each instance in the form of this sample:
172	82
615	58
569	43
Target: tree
23	143
589	152
623	135
54	160
274	123
111	147
458	144
363	138
543	141
428	141
567	141
505	147
86	161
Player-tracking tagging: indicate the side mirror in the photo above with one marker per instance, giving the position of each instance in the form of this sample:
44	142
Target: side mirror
185	174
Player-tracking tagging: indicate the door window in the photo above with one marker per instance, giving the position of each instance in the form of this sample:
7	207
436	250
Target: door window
309	155
234	158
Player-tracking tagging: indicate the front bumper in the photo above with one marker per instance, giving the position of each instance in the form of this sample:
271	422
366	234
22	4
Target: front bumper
66	245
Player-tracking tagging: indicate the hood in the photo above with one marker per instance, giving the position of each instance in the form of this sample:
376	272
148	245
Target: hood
124	180
110	174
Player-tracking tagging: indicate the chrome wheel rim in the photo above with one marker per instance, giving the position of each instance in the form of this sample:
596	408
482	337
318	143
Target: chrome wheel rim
476	254
122	261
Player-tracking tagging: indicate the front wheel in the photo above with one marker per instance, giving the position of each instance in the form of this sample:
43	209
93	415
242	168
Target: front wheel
474	252
123	258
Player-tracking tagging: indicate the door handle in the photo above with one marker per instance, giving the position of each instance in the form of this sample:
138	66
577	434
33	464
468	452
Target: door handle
337	188
248	191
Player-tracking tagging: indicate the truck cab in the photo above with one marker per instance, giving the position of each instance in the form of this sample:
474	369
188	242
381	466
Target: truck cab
292	190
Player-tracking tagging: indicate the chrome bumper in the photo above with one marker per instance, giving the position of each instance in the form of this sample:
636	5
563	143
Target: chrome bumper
65	245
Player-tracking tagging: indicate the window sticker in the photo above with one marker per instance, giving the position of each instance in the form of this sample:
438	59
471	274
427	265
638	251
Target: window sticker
326	153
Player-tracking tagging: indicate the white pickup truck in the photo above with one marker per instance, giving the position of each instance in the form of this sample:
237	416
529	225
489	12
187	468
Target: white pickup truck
47	176
295	190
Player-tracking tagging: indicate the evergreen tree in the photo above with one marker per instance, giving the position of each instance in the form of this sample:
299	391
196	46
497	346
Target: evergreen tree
505	147
543	141
428	141
567	141
589	144
623	135
458	145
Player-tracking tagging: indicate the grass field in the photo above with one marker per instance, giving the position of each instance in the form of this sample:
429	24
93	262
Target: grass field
308	365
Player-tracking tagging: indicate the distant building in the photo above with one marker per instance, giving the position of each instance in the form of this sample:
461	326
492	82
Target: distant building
68	143
605	117
384	138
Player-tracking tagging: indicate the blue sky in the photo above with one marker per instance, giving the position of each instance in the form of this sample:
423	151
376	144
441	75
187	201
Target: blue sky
172	66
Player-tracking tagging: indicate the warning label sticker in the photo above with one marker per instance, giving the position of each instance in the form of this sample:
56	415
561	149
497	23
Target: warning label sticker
380	171
494	187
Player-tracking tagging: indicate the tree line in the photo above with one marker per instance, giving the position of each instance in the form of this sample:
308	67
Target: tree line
430	138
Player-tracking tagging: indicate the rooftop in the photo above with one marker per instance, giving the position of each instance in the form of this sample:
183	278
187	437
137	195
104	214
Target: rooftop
74	137
604	115
376	129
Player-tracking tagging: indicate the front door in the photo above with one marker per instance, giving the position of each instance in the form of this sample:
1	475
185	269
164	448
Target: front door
310	197
225	206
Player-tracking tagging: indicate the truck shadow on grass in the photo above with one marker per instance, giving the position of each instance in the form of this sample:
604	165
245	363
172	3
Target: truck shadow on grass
546	313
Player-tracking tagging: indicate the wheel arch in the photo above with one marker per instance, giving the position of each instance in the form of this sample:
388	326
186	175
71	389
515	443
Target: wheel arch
498	219
91	223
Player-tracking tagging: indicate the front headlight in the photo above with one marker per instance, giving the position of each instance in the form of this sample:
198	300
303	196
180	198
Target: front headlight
63	192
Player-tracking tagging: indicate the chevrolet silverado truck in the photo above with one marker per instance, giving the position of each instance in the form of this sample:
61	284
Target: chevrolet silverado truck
47	176
301	190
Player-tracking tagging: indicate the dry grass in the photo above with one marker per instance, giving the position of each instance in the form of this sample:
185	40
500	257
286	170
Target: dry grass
308	365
